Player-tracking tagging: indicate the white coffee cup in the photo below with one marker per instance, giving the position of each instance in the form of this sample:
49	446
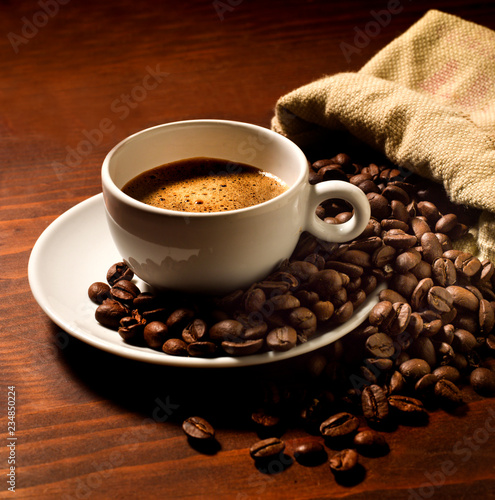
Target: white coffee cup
221	251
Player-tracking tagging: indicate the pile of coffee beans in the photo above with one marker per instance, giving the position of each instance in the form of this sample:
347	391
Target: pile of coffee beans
430	332
290	306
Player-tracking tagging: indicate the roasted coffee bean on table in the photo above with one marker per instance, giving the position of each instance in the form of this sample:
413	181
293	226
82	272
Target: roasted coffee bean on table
267	448
344	460
198	428
429	336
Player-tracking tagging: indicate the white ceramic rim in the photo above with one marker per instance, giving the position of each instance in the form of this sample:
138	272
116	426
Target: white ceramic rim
116	192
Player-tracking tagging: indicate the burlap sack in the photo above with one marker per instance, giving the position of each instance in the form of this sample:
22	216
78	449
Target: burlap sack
427	101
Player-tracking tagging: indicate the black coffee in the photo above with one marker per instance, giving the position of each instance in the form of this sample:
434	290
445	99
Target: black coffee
204	185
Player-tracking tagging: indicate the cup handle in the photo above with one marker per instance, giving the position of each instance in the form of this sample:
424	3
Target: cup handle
338	233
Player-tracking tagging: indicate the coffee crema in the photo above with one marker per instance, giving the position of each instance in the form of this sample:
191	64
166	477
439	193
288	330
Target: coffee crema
204	185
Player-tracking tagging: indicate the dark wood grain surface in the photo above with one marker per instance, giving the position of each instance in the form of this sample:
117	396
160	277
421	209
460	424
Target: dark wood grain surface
93	425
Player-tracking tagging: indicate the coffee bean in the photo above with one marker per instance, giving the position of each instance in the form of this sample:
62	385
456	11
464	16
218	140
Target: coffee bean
124	291
402	316
158	314
439	299
407	260
463	298
145	301
283	302
424	387
110	312
444	272
415	326
445	353
303	320
397	383
446	334
464	341
388	224
344	460
447	392
265	420
404	284
357	299
228	329
446	223
407	405
466	264
357	257
430	211
475	290
323	310
302	270
483	381
131	328
367	375
255	332
321	163
419	227
331	173
391	296
195	331
382	314
419	296
339	425
282	339
344	312
267	448
414	369
373	228
273	287
360	178
399	239
242	348
380	208
370	442
307	298
447	372
310	453
394	192
119	271
98	292
175	347
486	317
155	334
399	211
325	283
198	428
369	283
379	364
368	245
203	349
383	255
380	345
254	299
422	270
374	403
432	248
423	348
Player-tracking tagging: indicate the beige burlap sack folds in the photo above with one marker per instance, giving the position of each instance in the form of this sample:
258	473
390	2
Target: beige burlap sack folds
427	101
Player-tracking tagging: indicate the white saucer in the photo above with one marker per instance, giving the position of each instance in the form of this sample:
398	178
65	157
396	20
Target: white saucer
77	250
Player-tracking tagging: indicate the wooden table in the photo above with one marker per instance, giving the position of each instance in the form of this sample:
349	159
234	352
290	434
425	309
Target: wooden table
77	78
